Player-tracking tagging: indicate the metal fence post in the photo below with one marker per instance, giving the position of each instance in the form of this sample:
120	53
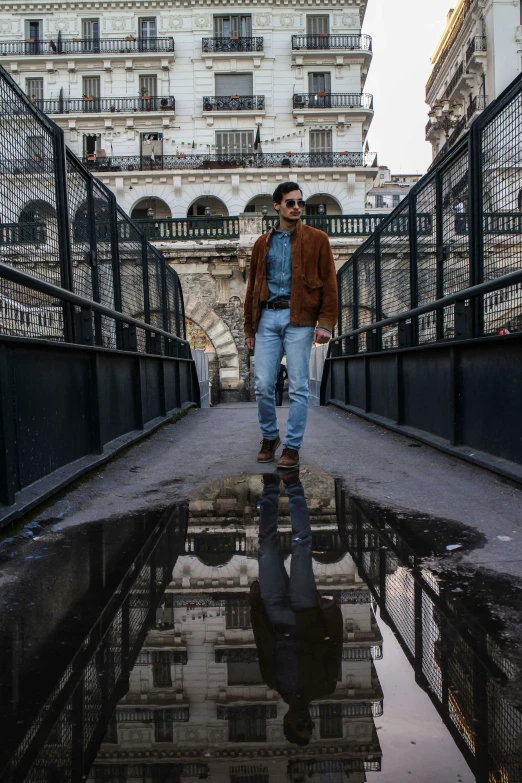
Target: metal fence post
116	272
414	278
475	218
355	269
378	289
92	254
8	452
64	233
441	253
145	273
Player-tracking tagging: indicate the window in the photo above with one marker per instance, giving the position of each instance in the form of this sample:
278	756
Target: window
234	142
331	721
161	674
320	141
149	85
163	726
237	614
91	144
396	200
244	673
319	85
379	202
34	89
91	35
33	36
249	773
35	146
147	34
317	25
247	724
233	25
91	86
234	84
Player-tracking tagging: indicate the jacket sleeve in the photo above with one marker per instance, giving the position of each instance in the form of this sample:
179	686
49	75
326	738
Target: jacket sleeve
249	325
264	639
328	313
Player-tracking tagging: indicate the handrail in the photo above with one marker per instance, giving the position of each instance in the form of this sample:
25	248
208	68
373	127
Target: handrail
233	102
320	41
58	46
332	100
16	276
232	44
95	105
437	304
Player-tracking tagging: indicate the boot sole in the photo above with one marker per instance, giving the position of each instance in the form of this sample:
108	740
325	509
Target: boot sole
287	467
265	461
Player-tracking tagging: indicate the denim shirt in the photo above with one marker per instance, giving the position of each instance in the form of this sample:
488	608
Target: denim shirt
279	265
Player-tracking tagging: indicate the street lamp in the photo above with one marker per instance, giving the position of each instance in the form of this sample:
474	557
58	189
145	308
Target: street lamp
150	213
264	210
208	212
444	117
321	209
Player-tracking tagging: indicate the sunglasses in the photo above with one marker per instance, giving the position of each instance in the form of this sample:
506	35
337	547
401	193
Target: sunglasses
290	203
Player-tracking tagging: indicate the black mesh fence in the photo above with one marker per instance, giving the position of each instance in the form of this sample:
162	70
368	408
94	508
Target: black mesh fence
459	228
62	226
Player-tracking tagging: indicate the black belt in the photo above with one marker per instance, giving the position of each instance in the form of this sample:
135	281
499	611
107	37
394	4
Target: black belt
280	304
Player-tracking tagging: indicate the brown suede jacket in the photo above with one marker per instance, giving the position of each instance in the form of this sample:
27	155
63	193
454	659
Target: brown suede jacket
313	299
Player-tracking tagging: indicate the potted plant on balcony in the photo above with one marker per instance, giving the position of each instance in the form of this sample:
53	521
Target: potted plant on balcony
343	153
88	98
234	37
130	38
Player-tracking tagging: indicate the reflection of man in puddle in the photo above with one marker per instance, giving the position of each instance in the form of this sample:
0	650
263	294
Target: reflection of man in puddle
298	634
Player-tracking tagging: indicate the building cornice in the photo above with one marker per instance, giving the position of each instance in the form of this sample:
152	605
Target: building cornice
195	5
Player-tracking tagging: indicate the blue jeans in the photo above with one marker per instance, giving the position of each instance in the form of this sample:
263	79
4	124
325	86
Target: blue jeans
275	337
282	596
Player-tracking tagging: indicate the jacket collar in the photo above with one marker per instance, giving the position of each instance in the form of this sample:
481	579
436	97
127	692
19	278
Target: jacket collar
296	233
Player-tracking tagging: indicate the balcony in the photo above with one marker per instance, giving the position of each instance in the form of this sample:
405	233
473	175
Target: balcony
476	49
246	160
478	103
335	100
79	46
106	105
454	80
232	45
337	43
233	103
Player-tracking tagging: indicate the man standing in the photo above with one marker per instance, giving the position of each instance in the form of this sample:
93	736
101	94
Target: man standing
291	301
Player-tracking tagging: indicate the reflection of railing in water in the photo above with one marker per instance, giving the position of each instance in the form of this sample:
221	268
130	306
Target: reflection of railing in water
62	740
455	661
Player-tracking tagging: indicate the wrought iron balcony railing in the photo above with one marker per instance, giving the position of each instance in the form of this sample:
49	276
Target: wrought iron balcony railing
230	161
191	228
77	46
232	44
234	103
478	103
334	100
325	41
99	105
454	80
336	225
477	44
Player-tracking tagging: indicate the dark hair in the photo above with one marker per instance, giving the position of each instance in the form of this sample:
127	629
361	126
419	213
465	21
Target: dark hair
295	738
283	189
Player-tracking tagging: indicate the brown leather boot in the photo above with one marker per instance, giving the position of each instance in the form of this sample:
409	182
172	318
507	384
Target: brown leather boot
288	459
268	449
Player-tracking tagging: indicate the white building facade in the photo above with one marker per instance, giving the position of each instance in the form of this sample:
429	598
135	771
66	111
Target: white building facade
478	56
197	109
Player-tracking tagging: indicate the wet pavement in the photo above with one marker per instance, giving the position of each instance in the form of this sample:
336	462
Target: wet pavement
347	643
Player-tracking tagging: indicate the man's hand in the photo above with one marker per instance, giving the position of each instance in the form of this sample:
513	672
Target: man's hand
250	343
321	336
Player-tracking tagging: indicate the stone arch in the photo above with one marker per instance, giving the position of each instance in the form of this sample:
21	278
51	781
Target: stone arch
221	338
159	205
255	203
325	198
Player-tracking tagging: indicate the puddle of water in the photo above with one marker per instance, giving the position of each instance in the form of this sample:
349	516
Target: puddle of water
136	650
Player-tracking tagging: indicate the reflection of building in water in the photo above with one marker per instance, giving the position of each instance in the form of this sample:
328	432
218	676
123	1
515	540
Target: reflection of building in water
197	703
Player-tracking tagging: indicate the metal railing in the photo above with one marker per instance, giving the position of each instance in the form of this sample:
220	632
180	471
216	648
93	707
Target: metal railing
325	41
226	160
460	667
456	283
455	79
334	100
57	732
234	103
89	105
232	44
478	103
477	44
191	228
75	271
354	225
78	46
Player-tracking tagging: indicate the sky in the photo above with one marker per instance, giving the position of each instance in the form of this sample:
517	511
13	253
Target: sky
405	34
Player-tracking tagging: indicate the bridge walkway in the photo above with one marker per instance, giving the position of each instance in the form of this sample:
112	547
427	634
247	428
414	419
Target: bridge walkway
374	464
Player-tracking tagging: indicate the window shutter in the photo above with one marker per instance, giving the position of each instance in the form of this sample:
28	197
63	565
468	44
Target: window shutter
234	84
